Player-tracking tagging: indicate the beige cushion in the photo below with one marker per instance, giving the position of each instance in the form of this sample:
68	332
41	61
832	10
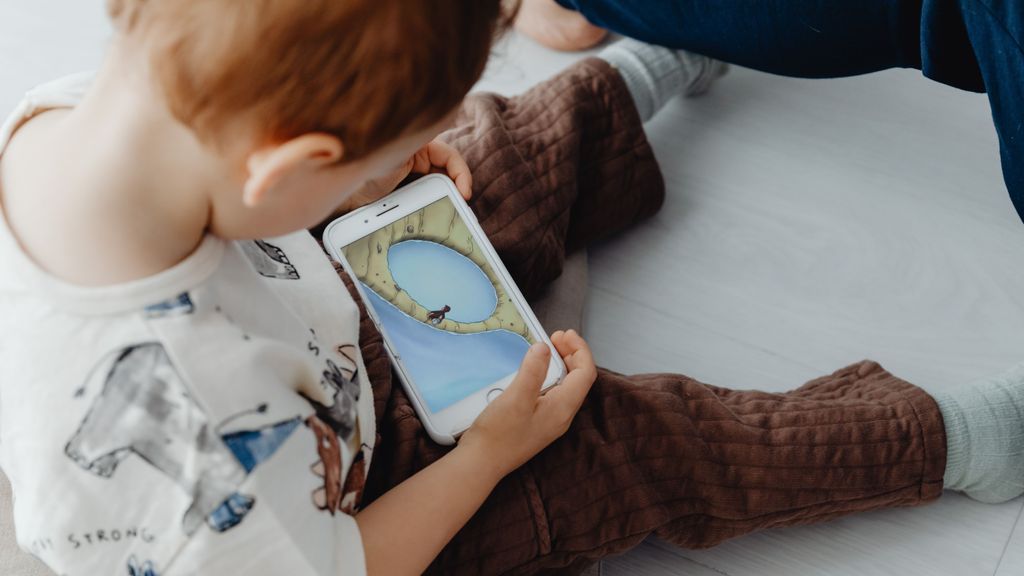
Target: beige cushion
561	305
559	308
12	560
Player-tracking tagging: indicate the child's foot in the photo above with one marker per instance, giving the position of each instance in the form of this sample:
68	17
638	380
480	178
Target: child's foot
707	71
985	437
655	75
556	27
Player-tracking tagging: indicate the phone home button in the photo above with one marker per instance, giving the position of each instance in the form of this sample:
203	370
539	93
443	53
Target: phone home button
493	394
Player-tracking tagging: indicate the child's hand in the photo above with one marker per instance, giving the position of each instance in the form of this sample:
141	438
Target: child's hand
435	157
521	422
440	158
421	515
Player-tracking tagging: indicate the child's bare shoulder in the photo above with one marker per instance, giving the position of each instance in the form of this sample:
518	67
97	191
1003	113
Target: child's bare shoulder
58	202
34	193
26	164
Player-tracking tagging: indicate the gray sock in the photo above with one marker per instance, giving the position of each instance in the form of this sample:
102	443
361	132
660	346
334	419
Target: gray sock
655	75
985	437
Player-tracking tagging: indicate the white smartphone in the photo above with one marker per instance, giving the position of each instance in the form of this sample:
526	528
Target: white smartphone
454	323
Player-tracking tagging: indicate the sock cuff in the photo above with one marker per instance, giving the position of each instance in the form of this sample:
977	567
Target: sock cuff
653	74
984	423
958	441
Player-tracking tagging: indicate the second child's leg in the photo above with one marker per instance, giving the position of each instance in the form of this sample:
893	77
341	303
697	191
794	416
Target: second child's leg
975	45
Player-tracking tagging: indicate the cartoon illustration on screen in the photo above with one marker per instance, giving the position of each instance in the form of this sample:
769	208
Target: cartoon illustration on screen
437	316
444	309
438	236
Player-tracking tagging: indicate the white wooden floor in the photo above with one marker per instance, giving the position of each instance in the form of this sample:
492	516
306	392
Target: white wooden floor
809	224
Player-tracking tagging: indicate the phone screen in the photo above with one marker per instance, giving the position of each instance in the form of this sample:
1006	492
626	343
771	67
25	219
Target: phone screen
445	311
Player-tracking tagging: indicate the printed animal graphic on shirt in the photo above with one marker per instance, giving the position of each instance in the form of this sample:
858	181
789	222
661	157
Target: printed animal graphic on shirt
145	409
269	260
333	425
136	568
179	306
342	413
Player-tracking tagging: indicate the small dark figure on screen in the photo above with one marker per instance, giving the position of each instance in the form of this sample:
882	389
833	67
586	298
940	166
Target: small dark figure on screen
437	316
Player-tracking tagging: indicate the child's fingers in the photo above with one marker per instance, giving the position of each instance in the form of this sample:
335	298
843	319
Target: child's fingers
568	345
564	342
578	359
421	161
458	171
532	373
556	339
447	158
464	182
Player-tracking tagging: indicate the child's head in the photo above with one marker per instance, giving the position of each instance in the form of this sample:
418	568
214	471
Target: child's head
307	99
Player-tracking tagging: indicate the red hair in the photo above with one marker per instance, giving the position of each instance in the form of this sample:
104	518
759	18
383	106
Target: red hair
366	71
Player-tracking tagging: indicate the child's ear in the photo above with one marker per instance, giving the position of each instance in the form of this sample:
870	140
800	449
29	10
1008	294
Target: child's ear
272	164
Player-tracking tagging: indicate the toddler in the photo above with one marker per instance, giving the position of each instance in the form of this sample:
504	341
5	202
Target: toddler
187	386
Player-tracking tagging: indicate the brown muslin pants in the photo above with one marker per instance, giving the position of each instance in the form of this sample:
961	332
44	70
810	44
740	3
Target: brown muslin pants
566	164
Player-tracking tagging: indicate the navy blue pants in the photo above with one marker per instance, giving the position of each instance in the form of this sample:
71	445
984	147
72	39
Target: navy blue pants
974	45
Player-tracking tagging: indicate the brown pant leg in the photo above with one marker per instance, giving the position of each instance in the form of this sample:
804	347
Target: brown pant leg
695	464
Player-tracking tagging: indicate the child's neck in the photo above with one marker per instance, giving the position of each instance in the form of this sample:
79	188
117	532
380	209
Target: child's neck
132	195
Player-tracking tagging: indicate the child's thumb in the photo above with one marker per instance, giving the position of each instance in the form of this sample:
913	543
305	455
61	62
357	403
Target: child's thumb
533	371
